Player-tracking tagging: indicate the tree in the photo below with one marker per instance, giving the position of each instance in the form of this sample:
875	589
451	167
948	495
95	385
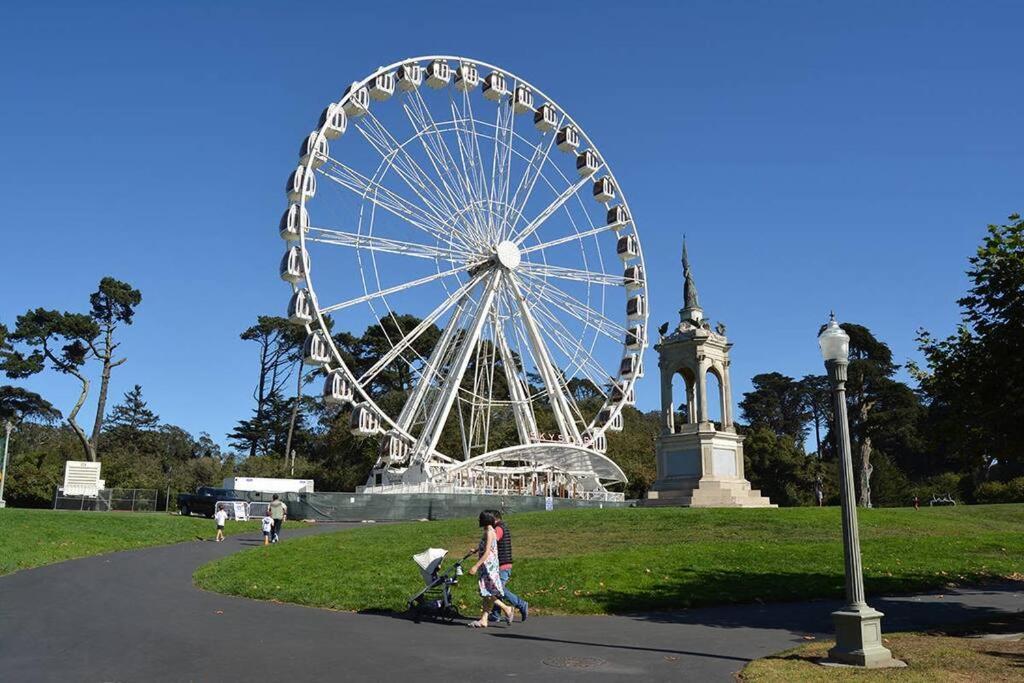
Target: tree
777	466
973	383
132	413
280	344
776	403
17	404
816	399
869	376
112	304
61	339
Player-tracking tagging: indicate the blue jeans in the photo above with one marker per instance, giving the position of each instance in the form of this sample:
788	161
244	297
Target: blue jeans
509	598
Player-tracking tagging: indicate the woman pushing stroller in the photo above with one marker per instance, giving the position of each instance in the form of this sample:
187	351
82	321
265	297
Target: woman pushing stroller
491	588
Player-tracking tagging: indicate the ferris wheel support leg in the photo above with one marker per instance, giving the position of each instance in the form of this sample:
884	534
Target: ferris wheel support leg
431	433
559	403
526	422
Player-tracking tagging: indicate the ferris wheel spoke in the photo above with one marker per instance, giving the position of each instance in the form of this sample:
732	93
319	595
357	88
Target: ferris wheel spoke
458	297
594	372
436	149
386	199
522	409
383	244
564	301
538	158
471	173
440	410
406	167
501	161
569	238
559	400
575	274
392	290
566	195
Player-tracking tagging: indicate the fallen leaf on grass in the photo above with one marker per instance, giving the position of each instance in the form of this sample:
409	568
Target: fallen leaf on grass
809	638
220	611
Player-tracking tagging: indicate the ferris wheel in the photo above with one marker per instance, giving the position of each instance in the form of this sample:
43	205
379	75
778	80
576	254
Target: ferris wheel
466	221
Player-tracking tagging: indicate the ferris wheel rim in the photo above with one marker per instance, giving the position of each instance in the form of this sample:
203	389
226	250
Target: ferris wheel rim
337	362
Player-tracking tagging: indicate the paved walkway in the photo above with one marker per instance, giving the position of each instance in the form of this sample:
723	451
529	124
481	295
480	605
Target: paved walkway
135	616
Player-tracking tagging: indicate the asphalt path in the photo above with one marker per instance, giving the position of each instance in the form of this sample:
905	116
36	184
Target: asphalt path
136	616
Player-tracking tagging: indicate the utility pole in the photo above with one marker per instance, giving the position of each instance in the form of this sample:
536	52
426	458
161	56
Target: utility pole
8	428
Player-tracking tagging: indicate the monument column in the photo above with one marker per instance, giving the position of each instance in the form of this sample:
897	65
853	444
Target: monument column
667	408
702	383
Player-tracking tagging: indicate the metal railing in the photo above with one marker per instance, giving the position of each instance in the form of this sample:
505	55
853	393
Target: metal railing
106	500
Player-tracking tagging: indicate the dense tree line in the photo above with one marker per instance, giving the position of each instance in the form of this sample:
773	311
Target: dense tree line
958	431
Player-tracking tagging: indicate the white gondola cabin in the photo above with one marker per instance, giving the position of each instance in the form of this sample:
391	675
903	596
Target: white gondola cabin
294	265
545	119
333	121
568	139
337	388
615	424
522	99
300	185
636	307
598	441
294	221
314	149
300	308
364	422
357	100
627	247
587	163
410	76
604	190
394	448
617	218
382	86
631	367
633	278
439	74
494	86
620	395
315	350
467	77
636	336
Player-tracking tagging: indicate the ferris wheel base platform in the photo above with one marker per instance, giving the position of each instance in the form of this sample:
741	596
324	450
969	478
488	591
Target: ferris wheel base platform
393	507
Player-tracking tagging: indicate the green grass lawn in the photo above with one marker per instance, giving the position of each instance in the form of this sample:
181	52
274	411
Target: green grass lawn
30	538
622	560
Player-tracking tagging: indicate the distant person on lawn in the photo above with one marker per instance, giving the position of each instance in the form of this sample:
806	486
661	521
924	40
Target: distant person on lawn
268	527
504	537
220	517
491	590
278	512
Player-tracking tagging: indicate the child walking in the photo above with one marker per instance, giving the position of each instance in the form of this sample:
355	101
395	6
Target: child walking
220	517
268	526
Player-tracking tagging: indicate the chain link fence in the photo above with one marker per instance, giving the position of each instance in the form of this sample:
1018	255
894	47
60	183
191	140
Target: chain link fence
106	500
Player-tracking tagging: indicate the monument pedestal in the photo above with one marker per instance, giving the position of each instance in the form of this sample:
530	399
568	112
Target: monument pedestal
702	467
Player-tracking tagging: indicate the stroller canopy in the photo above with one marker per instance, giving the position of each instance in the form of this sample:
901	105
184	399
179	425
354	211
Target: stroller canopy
428	562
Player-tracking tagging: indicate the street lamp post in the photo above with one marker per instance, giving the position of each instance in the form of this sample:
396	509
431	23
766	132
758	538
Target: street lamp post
8	426
858	627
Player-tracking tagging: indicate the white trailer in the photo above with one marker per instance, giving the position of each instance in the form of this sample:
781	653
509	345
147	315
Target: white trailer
269	485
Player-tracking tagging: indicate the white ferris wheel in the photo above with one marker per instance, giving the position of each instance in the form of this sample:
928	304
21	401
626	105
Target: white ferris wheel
459	212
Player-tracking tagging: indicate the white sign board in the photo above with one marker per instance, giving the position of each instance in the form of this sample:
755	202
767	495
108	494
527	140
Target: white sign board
239	510
549	503
81	478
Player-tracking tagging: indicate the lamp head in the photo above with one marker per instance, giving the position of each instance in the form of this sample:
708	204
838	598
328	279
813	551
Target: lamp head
834	342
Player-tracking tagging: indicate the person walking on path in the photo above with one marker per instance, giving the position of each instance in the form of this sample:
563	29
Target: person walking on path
504	538
279	513
491	590
268	527
220	517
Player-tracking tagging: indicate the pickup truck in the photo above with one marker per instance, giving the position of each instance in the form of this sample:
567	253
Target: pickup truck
203	501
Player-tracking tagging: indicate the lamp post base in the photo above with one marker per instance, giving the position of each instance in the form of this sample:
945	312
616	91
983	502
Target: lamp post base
859	639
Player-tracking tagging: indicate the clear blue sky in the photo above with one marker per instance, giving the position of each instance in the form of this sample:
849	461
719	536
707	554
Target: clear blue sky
818	155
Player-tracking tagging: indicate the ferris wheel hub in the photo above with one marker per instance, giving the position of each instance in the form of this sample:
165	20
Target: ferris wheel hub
508	255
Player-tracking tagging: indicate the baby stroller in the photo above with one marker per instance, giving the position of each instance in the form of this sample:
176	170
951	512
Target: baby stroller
435	600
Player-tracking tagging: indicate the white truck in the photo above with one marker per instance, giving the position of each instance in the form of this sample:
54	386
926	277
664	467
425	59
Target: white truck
269	485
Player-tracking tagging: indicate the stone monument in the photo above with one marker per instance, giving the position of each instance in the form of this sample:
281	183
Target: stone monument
700	464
